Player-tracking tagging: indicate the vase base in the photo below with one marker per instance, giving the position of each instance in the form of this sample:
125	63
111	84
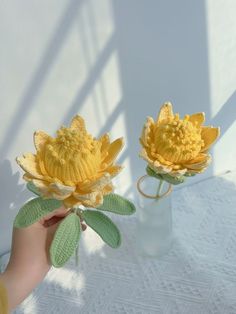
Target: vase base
155	253
150	248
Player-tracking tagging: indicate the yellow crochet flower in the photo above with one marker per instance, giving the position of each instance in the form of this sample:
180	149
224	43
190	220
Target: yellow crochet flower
73	166
177	146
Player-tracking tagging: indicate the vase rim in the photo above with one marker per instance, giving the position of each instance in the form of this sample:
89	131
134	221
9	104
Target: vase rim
141	179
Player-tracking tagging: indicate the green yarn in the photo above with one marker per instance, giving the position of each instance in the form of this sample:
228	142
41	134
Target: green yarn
116	204
164	176
30	186
153	173
34	210
173	180
67	235
65	240
104	226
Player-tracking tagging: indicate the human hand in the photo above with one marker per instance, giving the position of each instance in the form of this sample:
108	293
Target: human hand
30	261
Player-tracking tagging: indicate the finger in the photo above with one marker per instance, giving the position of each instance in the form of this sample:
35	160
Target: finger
56	218
52	221
60	212
84	227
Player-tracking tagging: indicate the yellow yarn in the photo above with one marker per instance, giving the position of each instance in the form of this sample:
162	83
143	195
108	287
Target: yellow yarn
73	166
177	140
72	157
177	146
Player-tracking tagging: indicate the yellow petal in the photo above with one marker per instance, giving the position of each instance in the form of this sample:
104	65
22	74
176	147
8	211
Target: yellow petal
40	159
92	199
157	166
114	170
108	189
29	164
197	118
154	163
53	190
165	112
27	177
96	184
201	157
147	128
200	162
209	135
71	201
113	150
105	143
40	139
98	201
77	123
162	160
61	190
195	171
42	186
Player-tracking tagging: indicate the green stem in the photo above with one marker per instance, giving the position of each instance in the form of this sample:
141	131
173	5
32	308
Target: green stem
77	211
160	187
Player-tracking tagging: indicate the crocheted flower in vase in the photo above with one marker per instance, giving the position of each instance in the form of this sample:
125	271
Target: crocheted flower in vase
175	147
73	169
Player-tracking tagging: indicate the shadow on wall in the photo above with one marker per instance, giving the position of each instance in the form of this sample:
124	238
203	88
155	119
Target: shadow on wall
159	59
12	196
42	71
163	56
93	77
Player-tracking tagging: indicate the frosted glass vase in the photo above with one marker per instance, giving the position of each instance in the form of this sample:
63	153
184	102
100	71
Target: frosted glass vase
154	229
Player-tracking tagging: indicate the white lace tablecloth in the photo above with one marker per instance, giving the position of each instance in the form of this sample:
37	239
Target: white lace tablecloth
197	276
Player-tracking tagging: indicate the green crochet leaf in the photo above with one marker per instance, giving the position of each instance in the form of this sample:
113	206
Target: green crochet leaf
30	186
116	204
173	180
34	210
65	240
152	173
104	226
166	177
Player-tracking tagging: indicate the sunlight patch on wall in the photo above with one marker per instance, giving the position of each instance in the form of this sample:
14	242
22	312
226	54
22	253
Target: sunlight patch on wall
79	34
103	98
25	40
224	153
95	27
221	28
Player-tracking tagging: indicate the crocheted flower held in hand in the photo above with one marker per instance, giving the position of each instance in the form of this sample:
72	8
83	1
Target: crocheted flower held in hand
73	167
177	146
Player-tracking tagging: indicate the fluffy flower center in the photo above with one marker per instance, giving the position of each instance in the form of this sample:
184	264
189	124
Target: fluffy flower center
73	156
177	140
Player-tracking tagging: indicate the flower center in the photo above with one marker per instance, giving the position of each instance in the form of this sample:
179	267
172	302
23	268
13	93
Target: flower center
178	140
73	156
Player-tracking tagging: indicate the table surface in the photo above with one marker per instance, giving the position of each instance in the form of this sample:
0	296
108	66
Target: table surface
198	275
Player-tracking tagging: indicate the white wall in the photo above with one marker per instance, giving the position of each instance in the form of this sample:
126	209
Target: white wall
114	62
